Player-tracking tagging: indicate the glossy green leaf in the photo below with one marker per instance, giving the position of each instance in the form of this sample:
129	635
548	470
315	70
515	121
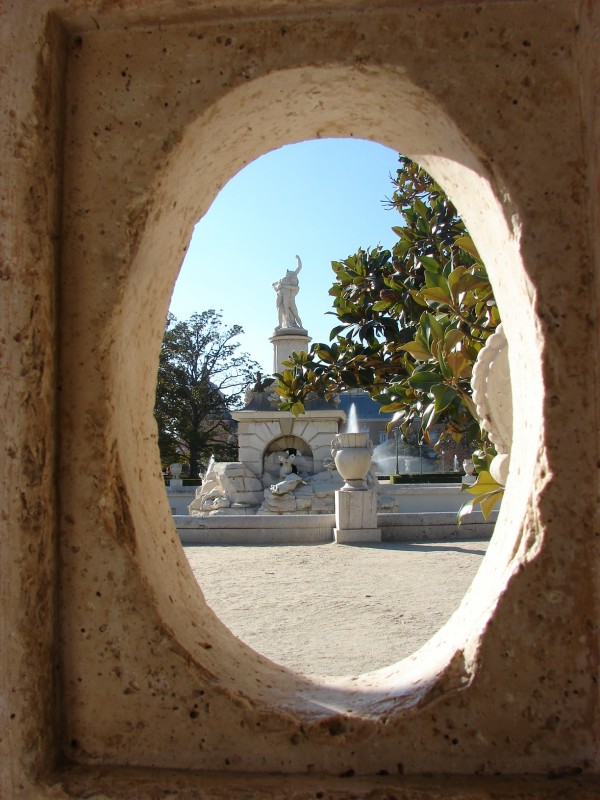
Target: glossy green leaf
466	243
430	417
416	295
334	332
435	295
436	279
444	368
391	407
382	305
452	336
437	332
467	282
457	363
297	409
417	350
455	276
484	484
424	380
489	502
443	395
468	402
429	263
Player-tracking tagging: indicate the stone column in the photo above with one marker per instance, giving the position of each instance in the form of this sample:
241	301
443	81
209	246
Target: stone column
285	341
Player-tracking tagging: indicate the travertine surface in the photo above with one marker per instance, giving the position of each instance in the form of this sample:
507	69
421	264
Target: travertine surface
121	119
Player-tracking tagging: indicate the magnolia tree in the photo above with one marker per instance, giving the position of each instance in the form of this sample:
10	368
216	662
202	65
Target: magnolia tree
411	320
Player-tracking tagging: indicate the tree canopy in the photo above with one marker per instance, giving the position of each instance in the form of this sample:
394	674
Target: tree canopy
411	320
201	379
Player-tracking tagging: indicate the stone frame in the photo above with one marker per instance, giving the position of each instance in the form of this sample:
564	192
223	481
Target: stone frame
101	199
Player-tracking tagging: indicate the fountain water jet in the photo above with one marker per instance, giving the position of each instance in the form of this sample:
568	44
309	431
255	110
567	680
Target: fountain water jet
351	425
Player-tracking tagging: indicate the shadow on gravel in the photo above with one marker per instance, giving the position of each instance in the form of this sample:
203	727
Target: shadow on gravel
425	547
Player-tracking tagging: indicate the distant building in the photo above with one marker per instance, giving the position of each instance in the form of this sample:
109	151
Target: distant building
368	414
413	456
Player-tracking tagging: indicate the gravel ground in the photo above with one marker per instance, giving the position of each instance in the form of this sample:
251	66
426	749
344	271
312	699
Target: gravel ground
334	609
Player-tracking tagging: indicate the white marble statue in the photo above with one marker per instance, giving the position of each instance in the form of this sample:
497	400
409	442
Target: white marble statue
227	487
286	460
287	484
232	489
287	288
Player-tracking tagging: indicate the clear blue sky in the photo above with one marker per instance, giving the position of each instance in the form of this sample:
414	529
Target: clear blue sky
320	199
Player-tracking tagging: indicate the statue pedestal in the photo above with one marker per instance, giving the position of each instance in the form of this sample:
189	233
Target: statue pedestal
356	517
285	341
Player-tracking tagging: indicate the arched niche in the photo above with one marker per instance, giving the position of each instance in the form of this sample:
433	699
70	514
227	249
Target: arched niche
303	461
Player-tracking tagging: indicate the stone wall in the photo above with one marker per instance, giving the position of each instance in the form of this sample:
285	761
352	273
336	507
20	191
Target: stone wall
120	122
257	430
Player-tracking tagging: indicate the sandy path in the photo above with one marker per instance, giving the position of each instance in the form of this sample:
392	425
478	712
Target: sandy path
336	609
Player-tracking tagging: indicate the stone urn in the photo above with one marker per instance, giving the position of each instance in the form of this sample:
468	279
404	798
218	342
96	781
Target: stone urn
352	455
469	468
176	470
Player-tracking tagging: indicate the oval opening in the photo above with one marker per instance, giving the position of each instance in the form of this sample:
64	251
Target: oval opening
318	609
213	148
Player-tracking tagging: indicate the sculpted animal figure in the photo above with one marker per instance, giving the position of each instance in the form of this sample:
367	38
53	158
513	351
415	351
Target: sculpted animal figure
286	459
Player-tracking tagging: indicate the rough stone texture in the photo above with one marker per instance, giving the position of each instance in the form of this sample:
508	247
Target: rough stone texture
120	122
227	480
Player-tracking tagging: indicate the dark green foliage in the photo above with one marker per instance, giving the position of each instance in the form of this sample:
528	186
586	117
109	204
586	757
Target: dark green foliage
201	379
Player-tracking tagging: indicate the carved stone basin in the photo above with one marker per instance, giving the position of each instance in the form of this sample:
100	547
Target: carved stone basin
352	454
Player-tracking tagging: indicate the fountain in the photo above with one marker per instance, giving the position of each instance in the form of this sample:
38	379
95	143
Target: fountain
298	478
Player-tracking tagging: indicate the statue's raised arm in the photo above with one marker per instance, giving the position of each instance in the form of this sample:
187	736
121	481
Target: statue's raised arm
299	267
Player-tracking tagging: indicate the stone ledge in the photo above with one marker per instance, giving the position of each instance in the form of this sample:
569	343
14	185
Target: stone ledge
253	528
434	526
271	521
119	783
